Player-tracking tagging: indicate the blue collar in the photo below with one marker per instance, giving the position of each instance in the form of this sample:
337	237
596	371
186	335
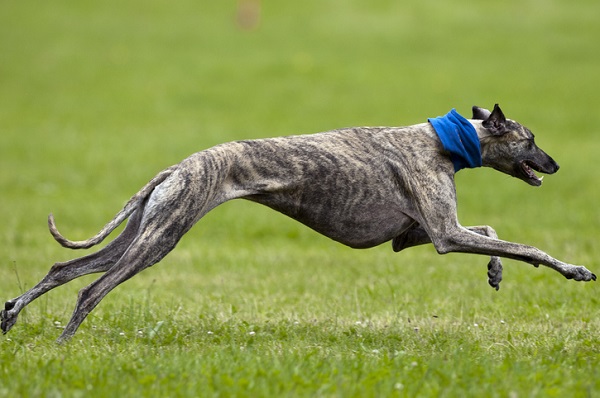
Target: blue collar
458	137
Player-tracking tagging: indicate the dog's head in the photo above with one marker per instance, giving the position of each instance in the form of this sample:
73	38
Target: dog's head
507	146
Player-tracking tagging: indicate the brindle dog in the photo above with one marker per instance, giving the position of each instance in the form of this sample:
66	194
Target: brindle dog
358	186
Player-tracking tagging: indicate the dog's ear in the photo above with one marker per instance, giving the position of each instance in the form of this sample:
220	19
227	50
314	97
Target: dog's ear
496	122
480	113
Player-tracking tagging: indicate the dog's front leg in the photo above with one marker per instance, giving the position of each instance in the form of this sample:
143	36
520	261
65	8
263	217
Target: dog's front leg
460	239
417	235
495	264
437	215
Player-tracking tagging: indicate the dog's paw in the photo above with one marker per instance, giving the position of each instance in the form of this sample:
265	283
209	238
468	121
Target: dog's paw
579	273
495	272
8	317
7	322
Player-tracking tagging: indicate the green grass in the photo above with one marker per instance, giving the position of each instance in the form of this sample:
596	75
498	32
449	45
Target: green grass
95	98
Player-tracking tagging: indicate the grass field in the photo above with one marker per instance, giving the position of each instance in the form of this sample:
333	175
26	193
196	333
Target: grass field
96	97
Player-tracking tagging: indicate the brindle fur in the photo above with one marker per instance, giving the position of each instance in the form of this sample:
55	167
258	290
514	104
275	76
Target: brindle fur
358	186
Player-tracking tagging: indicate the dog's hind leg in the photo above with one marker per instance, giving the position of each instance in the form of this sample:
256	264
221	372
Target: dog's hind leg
137	258
416	235
61	273
169	213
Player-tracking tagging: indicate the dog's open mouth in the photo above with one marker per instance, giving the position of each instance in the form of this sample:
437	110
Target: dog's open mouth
528	167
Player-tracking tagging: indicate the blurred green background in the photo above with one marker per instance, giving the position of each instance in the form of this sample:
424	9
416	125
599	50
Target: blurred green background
97	97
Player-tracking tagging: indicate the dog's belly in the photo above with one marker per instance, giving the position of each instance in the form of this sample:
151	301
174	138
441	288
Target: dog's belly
361	232
358	225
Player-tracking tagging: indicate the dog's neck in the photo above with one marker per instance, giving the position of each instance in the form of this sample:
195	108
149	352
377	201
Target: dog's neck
482	132
459	138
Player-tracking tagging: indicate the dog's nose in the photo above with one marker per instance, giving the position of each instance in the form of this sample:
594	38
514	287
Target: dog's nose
550	166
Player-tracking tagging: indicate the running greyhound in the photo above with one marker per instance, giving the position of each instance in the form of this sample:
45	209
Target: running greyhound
359	186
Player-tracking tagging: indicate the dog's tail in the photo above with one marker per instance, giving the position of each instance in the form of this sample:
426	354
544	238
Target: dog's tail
121	216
